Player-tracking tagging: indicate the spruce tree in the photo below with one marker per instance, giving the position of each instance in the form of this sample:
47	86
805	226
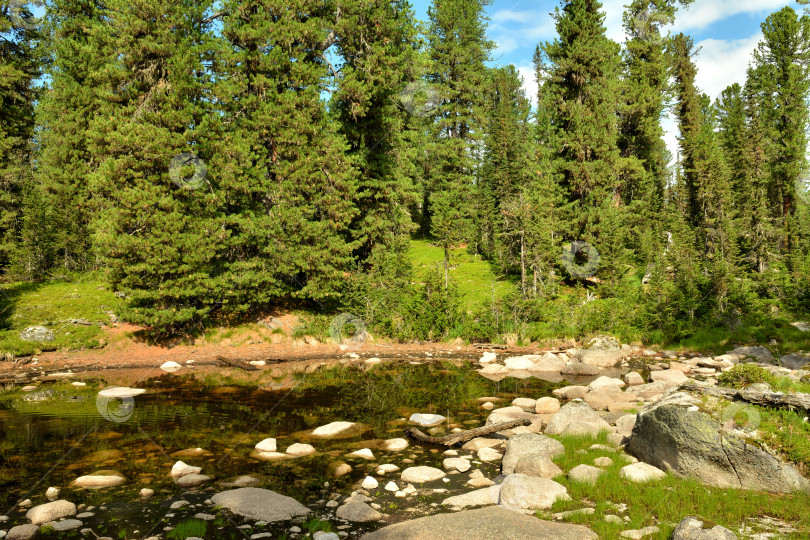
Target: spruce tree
377	48
285	185
64	115
583	91
785	50
458	48
21	62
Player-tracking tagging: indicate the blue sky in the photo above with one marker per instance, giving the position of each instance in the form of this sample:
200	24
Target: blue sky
726	30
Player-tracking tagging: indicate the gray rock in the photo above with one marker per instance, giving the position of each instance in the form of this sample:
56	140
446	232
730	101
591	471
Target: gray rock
638	534
357	511
538	465
64	525
522	492
793	361
489	523
691	528
37	334
673	436
192	480
641	472
762	354
580	368
571	392
523	444
51	511
479	497
258	503
576	418
22	532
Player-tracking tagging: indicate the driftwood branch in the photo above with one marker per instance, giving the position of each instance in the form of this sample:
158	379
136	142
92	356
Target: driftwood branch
235	362
768	399
463	436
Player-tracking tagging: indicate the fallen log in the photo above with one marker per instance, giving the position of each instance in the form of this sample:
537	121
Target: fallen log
488	346
466	435
768	399
235	362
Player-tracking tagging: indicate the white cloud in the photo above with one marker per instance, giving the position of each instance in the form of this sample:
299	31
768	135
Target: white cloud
703	13
529	83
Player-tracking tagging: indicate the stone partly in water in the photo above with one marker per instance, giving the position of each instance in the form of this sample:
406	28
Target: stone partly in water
421	474
674	435
267	445
51	511
691	528
522	492
456	464
99	480
180	469
260	504
120	392
357	511
64	525
192	480
339	468
170	366
23	532
339	430
394	445
299	449
426	420
489	523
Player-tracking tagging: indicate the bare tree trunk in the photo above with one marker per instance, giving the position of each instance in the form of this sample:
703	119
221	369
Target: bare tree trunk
522	266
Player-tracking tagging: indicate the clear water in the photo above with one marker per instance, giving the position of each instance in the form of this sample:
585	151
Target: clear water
52	436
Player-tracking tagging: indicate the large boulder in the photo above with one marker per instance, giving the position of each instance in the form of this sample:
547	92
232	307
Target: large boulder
37	334
674	435
602	351
260	504
576	418
489	523
525	444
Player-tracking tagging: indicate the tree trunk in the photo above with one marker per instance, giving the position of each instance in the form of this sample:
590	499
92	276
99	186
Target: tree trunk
463	436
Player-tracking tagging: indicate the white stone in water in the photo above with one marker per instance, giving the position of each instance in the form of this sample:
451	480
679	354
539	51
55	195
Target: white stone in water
181	469
426	420
146	492
457	464
395	445
192	480
391	486
489	454
121	392
487	406
52	493
364	453
267	445
100	480
257	363
369	482
421	474
51	511
488	357
300	449
387	468
335	428
170	366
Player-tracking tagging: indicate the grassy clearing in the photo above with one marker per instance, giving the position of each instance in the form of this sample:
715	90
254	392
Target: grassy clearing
666	502
474	276
52	304
721	340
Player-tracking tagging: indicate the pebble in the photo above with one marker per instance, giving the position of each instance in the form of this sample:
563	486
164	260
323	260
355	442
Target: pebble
370	482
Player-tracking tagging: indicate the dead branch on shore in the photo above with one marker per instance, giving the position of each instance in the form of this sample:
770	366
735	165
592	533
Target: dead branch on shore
464	436
768	399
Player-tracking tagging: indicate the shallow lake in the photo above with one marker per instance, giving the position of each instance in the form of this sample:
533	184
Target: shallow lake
59	432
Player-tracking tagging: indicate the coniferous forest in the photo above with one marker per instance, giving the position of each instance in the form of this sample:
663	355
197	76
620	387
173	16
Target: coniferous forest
216	159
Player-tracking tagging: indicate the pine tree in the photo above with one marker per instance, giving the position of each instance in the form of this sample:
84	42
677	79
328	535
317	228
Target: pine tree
458	49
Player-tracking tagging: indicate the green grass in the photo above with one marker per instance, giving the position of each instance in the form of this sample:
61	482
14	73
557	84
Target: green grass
666	502
720	340
51	304
474	276
191	527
